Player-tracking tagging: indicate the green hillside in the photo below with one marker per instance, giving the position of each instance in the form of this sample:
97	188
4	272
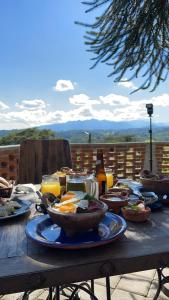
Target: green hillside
77	136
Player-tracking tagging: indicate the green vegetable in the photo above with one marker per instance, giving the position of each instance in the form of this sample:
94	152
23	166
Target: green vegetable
133	207
89	197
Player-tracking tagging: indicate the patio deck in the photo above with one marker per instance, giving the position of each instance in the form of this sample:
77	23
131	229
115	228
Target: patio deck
134	286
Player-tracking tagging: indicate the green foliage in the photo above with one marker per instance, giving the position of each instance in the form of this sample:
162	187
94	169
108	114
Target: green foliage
17	136
98	136
121	138
132	37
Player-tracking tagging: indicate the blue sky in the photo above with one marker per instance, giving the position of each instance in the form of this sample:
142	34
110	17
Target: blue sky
44	70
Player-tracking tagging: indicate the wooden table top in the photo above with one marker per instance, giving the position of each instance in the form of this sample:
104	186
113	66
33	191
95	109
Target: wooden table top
25	265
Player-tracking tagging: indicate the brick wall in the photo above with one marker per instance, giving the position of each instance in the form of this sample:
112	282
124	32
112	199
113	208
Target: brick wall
9	157
125	159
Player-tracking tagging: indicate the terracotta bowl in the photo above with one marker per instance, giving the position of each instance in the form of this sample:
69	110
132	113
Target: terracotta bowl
160	186
136	216
114	204
119	190
74	223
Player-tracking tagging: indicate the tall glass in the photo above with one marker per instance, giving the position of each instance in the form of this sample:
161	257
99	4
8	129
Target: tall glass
109	176
50	184
76	183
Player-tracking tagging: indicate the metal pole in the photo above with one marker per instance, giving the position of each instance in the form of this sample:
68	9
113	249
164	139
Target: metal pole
90	138
151	152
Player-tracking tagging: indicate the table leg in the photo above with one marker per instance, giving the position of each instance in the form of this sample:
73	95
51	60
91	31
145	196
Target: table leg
162	281
159	273
86	289
92	286
50	295
108	288
57	293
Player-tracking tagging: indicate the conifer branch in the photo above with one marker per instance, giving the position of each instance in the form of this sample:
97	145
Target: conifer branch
132	36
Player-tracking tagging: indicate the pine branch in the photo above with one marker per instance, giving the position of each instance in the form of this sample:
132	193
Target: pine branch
131	36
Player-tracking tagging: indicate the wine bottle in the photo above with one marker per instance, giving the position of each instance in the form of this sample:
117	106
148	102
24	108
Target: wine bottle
100	172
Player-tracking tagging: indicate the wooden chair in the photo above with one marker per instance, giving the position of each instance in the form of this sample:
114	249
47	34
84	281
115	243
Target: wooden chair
40	157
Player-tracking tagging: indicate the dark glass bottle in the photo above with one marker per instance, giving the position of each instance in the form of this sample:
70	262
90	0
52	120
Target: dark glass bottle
100	172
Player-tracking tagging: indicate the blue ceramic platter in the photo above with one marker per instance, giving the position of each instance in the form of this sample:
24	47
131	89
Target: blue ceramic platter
25	208
41	230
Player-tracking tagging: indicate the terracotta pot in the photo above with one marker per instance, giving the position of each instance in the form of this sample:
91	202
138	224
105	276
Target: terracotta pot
114	204
160	186
136	216
74	223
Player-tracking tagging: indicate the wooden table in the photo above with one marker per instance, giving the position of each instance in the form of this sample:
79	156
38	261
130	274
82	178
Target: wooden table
25	265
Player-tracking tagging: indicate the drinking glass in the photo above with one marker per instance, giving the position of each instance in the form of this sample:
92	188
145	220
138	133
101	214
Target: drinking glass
109	176
50	184
76	183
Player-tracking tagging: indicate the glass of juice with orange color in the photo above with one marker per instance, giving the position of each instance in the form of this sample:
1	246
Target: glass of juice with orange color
109	176
50	184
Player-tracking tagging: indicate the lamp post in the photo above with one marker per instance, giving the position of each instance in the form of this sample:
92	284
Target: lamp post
89	136
149	107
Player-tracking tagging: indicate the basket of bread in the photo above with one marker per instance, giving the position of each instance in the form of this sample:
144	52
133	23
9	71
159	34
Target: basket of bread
5	187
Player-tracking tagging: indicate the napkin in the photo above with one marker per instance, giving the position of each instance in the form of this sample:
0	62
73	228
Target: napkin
25	188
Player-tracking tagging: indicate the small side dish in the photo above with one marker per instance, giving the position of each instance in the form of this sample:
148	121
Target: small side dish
136	212
115	198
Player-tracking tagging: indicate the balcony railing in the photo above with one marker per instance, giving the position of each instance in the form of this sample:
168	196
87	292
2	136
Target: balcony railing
126	159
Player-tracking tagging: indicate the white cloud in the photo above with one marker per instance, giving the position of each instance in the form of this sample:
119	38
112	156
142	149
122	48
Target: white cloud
3	106
115	99
111	107
32	104
63	85
162	100
82	99
127	84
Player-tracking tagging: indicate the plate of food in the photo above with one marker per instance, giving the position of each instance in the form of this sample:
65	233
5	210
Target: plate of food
43	231
75	211
11	208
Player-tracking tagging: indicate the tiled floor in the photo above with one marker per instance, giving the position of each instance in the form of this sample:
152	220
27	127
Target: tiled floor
135	286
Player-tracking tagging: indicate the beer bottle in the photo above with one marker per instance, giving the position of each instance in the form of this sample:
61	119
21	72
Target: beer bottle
100	173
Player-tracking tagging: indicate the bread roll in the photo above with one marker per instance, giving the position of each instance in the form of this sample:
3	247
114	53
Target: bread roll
4	182
2	185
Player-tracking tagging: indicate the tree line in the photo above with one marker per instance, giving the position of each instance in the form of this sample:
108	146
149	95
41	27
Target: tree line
15	137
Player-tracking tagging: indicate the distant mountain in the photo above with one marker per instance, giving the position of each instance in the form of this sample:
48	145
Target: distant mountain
96	125
5	132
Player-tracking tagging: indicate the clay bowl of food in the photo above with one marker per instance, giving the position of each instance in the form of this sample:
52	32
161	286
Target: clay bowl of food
114	202
159	186
154	182
120	191
136	212
76	215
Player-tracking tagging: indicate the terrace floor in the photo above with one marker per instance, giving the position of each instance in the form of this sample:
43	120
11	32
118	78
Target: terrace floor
135	286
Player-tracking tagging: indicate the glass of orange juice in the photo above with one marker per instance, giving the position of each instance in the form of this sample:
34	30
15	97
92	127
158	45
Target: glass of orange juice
50	184
109	176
